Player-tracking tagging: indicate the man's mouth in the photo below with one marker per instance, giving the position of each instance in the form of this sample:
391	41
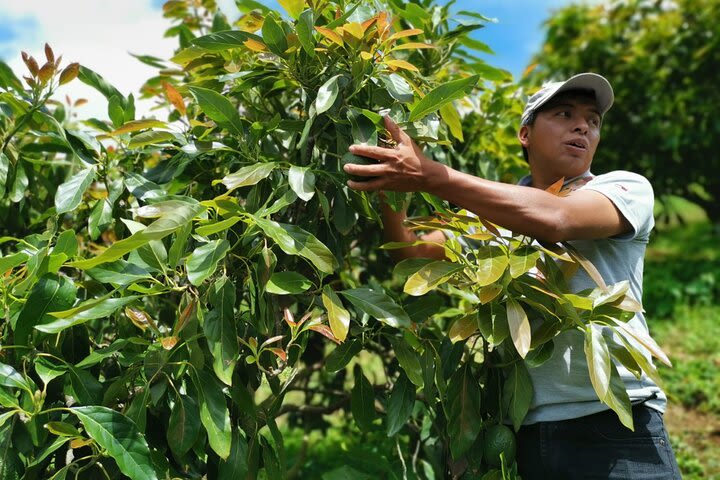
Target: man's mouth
577	144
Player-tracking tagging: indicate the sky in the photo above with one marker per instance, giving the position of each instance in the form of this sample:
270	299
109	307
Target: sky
102	35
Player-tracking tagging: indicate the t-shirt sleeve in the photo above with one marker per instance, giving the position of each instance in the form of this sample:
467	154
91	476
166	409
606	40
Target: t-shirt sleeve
633	196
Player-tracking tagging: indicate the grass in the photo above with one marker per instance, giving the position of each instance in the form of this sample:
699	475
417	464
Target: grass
682	294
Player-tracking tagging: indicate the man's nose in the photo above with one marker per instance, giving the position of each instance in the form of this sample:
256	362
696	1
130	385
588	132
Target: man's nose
582	126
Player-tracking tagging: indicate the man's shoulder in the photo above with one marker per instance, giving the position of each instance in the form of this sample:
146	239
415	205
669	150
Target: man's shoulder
623	179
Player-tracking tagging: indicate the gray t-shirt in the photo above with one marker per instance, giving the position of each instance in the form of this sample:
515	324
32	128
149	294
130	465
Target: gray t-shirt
562	386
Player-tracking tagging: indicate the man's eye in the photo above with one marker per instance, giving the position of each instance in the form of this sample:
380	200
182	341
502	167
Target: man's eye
563	113
595	122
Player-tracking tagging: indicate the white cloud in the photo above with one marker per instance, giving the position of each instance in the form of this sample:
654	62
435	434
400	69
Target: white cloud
99	35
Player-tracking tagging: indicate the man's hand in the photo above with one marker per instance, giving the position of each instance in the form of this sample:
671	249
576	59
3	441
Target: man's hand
401	169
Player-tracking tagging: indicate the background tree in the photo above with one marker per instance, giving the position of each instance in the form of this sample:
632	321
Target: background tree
661	57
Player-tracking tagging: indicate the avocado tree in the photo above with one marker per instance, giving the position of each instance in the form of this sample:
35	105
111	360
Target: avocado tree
661	58
182	293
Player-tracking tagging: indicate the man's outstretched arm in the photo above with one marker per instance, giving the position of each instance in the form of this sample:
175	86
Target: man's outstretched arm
583	214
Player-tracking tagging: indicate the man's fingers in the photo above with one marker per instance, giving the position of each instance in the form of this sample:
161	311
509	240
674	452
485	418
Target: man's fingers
365	170
378	153
397	133
368	186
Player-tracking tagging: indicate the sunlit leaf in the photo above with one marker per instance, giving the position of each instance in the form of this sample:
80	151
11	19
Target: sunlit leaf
441	95
119	436
463	328
284	283
402	64
430	276
338	316
327	94
519	327
598	360
302	182
203	261
70	193
249	175
377	305
218	108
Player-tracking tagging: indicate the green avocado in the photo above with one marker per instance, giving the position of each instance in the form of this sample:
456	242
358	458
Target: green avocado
356	159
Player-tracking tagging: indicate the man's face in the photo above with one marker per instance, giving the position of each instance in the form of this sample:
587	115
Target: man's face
563	139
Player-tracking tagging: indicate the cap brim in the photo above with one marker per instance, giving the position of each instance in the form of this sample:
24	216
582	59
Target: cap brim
604	95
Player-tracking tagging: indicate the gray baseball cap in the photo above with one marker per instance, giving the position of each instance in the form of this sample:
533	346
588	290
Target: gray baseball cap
583	81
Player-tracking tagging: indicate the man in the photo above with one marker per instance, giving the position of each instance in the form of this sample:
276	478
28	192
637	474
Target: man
568	432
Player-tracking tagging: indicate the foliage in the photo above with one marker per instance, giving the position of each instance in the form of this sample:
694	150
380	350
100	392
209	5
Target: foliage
171	287
660	58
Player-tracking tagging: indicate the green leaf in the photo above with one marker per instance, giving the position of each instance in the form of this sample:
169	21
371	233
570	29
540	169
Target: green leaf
47	370
341	356
618	400
153	137
462	410
216	227
430	277
220	330
4	169
66	243
85	387
522	261
409	360
293	240
338	317
284	283
218	108
302	182
218	42
452	119
236	465
119	273
214	414
119	436
20	183
304	28
492	263
442	95
12	261
11	467
293	7
9	377
51	293
157	230
362	401
90	310
517	393
273	35
400	404
598	360
97	356
362	127
203	261
249	175
327	94
398	87
378	305
91	78
184	425
8	79
519	327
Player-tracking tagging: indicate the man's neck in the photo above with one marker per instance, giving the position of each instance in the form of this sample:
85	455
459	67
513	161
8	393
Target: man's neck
543	183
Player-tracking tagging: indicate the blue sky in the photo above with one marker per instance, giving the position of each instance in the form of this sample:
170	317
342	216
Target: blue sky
101	35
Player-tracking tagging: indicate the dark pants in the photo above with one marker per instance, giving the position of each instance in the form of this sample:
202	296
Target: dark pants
598	447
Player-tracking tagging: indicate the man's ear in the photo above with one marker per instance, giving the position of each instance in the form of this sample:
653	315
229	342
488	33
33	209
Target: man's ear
524	135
